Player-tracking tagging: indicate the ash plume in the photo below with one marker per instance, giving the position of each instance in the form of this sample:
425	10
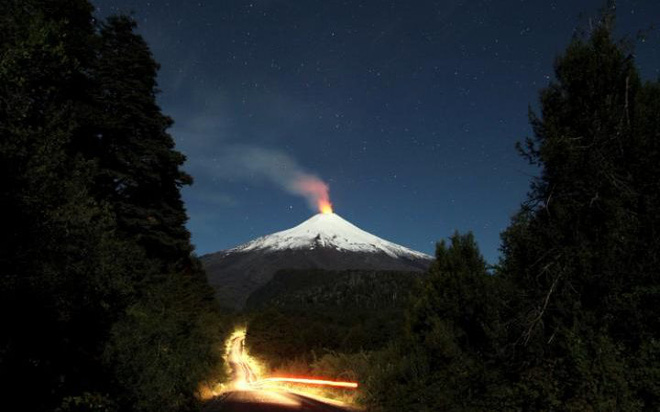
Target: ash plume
277	167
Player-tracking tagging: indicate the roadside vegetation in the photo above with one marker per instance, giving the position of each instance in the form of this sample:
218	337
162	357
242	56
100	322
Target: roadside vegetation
303	318
326	323
103	306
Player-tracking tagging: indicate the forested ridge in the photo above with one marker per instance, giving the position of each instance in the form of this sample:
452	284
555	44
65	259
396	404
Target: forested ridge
301	314
103	305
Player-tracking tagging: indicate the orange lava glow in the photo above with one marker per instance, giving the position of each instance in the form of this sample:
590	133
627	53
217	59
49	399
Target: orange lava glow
325	206
323	382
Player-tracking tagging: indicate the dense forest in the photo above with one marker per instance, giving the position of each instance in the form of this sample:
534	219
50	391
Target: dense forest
568	318
103	305
302	315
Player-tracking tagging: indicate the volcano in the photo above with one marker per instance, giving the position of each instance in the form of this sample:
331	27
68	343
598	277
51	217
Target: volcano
324	241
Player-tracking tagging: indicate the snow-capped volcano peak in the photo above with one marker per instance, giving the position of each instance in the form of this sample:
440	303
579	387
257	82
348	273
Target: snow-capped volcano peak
325	242
329	230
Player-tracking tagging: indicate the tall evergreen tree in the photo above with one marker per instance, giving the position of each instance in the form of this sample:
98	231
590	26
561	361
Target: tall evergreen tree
61	267
140	170
451	340
152	350
582	252
102	304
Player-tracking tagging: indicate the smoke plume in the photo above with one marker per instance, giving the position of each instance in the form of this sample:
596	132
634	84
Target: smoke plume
277	167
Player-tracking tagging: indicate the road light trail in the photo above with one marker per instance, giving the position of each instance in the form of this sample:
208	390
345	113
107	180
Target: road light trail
252	394
321	382
243	373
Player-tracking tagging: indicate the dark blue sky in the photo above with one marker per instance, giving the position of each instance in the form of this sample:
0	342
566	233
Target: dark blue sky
408	109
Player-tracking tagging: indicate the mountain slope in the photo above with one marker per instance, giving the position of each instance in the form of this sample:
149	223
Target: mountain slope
329	230
325	241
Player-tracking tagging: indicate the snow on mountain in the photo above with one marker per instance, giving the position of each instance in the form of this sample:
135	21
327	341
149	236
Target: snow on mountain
328	230
324	241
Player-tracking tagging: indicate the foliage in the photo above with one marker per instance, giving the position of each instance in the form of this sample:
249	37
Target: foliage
161	350
138	169
81	260
568	320
451	337
581	250
87	402
303	316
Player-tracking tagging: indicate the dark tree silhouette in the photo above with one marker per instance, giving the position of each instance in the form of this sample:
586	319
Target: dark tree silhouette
102	304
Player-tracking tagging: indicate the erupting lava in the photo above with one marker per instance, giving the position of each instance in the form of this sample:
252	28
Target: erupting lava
315	190
325	206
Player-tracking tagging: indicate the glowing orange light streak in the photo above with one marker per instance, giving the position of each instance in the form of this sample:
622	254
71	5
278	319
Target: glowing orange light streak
323	382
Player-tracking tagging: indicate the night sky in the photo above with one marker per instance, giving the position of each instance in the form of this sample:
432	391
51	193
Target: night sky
409	110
